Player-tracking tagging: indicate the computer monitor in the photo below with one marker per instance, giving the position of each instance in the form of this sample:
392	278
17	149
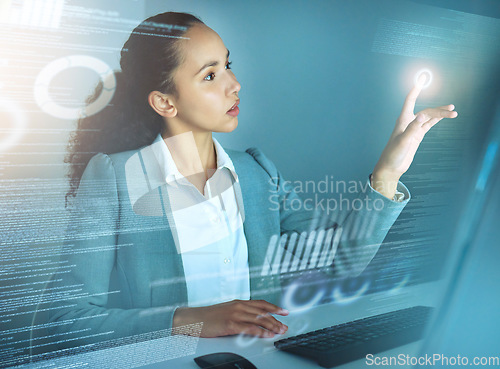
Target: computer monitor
463	331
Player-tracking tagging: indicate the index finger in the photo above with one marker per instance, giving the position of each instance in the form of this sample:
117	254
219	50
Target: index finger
411	98
267	306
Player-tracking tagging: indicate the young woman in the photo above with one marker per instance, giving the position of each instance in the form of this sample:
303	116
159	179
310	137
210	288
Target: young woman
169	228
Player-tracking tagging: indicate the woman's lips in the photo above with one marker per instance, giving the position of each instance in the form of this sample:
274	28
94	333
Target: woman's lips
234	111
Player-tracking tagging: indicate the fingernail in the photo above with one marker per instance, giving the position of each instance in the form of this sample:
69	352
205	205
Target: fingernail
284	311
422	79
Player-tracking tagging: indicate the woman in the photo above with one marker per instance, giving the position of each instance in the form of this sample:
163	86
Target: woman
169	228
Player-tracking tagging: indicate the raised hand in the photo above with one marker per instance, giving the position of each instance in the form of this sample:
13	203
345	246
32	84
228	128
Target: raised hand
405	139
252	317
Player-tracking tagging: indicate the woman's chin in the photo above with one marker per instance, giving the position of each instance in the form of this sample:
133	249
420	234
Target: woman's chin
230	127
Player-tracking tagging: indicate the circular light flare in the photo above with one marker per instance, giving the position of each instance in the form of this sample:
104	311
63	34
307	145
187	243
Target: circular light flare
421	74
289	303
339	297
398	287
49	106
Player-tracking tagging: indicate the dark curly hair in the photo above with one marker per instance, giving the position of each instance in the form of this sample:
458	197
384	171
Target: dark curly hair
148	61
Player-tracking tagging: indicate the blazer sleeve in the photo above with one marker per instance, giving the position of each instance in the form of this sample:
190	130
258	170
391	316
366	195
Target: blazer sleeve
365	221
79	313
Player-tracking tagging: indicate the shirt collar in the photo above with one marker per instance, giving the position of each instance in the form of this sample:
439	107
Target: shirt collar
223	159
169	170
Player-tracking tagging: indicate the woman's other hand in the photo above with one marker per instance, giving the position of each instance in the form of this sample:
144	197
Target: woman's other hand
409	131
252	317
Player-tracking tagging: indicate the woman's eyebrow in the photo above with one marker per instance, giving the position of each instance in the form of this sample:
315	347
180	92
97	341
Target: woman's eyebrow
211	64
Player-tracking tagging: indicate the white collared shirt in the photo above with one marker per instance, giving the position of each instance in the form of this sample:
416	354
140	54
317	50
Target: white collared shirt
208	230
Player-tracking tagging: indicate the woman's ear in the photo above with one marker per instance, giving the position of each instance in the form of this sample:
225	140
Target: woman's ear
162	104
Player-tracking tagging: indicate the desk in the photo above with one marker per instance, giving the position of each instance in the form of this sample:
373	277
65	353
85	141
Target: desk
261	351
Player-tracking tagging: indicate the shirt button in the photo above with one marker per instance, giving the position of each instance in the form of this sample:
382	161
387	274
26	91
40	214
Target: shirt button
227	261
214	219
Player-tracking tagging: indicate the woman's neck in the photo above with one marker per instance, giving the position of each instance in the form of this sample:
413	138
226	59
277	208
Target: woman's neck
194	155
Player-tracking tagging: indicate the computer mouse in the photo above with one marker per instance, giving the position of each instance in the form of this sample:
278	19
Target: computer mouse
223	360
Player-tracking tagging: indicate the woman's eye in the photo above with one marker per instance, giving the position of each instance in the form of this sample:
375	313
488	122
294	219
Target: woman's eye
210	77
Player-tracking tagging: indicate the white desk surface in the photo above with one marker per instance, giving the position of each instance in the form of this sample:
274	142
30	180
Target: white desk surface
263	355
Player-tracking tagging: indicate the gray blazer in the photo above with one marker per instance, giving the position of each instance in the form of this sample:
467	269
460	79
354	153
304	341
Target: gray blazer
121	274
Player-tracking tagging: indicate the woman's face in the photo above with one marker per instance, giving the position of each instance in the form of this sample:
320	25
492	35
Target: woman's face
207	88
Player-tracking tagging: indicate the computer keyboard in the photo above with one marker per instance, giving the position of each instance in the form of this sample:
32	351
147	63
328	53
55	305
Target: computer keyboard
354	340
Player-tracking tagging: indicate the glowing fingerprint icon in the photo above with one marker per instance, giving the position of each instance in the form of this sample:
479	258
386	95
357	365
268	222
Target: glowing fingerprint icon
423	78
49	106
11	136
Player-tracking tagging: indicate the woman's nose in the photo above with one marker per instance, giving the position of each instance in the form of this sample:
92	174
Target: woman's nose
235	86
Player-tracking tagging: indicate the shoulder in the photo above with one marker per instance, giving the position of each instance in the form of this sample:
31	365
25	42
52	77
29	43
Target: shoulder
116	160
250	161
99	166
253	159
103	165
120	158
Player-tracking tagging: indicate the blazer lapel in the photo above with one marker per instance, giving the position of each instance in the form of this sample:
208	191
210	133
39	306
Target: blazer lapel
256	225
